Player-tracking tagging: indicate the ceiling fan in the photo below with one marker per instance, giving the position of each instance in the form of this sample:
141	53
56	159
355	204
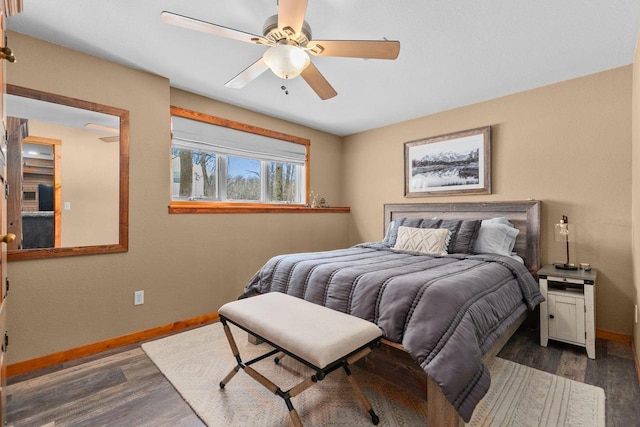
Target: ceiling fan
288	38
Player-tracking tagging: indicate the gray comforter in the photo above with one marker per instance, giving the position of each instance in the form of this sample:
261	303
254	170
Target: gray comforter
446	311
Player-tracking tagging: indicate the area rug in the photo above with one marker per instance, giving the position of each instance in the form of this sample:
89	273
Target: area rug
195	361
522	396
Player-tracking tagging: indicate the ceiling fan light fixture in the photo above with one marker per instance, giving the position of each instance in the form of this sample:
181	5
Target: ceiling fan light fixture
286	61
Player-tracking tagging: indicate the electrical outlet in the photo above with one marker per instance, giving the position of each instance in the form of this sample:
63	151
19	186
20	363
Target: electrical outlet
138	298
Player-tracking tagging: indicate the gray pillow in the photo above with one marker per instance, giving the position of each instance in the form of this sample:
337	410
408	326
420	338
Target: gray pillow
392	230
463	234
431	223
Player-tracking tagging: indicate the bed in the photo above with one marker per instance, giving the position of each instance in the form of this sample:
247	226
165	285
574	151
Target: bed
443	315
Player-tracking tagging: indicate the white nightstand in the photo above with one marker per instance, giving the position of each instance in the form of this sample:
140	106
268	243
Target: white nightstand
568	314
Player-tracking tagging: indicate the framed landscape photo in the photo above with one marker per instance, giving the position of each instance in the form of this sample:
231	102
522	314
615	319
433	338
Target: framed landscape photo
456	163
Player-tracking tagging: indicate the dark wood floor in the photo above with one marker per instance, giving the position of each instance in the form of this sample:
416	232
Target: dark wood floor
124	388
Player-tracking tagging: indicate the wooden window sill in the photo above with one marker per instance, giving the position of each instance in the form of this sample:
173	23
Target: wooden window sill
200	207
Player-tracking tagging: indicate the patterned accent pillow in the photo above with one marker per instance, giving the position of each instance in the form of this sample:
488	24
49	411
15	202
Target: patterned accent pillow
432	241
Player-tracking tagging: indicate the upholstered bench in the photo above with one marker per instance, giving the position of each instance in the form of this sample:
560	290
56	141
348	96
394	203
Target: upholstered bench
319	337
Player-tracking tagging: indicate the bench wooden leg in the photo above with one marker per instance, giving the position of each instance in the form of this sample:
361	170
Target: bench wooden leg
232	342
262	379
279	357
302	386
236	354
230	375
361	396
295	418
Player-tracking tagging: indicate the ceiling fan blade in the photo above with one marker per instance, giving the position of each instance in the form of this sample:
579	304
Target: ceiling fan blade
318	83
207	27
291	14
375	49
246	76
115	138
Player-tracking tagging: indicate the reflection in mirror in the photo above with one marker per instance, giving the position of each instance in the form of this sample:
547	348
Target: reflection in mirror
67	171
37	223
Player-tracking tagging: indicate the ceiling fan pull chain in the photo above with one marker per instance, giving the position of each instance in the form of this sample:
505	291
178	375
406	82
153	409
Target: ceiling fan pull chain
284	86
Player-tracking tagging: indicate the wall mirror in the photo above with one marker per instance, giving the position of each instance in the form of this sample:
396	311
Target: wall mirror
68	175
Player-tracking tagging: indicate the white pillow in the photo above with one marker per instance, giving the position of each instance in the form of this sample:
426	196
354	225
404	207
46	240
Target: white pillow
495	238
432	241
500	220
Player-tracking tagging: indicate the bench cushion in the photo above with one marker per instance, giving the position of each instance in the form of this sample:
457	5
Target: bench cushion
316	334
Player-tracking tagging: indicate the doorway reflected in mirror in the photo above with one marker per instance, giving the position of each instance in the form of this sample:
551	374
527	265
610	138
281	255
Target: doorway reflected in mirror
67	174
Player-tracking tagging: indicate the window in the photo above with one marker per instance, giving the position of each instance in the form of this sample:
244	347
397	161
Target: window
216	162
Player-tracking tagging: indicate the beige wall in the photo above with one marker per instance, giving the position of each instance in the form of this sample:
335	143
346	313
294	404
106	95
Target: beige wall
568	145
89	171
188	265
635	124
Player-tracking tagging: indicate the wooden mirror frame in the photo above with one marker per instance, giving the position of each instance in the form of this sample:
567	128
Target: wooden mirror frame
123	228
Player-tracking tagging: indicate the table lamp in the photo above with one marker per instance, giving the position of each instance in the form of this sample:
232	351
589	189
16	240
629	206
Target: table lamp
564	234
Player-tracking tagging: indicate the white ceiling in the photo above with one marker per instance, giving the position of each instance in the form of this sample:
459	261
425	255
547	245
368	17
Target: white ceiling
34	109
453	52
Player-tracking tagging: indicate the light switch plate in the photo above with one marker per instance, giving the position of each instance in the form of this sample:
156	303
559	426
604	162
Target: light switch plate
138	298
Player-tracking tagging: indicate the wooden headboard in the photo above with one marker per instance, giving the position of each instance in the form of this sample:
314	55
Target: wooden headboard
525	215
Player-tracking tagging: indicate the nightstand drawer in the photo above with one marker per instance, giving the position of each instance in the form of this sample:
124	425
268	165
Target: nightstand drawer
565	280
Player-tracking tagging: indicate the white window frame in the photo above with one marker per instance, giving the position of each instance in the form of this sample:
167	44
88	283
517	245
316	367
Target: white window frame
302	169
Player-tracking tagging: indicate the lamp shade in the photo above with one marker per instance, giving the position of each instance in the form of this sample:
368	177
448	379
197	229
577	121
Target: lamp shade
562	231
564	234
286	61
